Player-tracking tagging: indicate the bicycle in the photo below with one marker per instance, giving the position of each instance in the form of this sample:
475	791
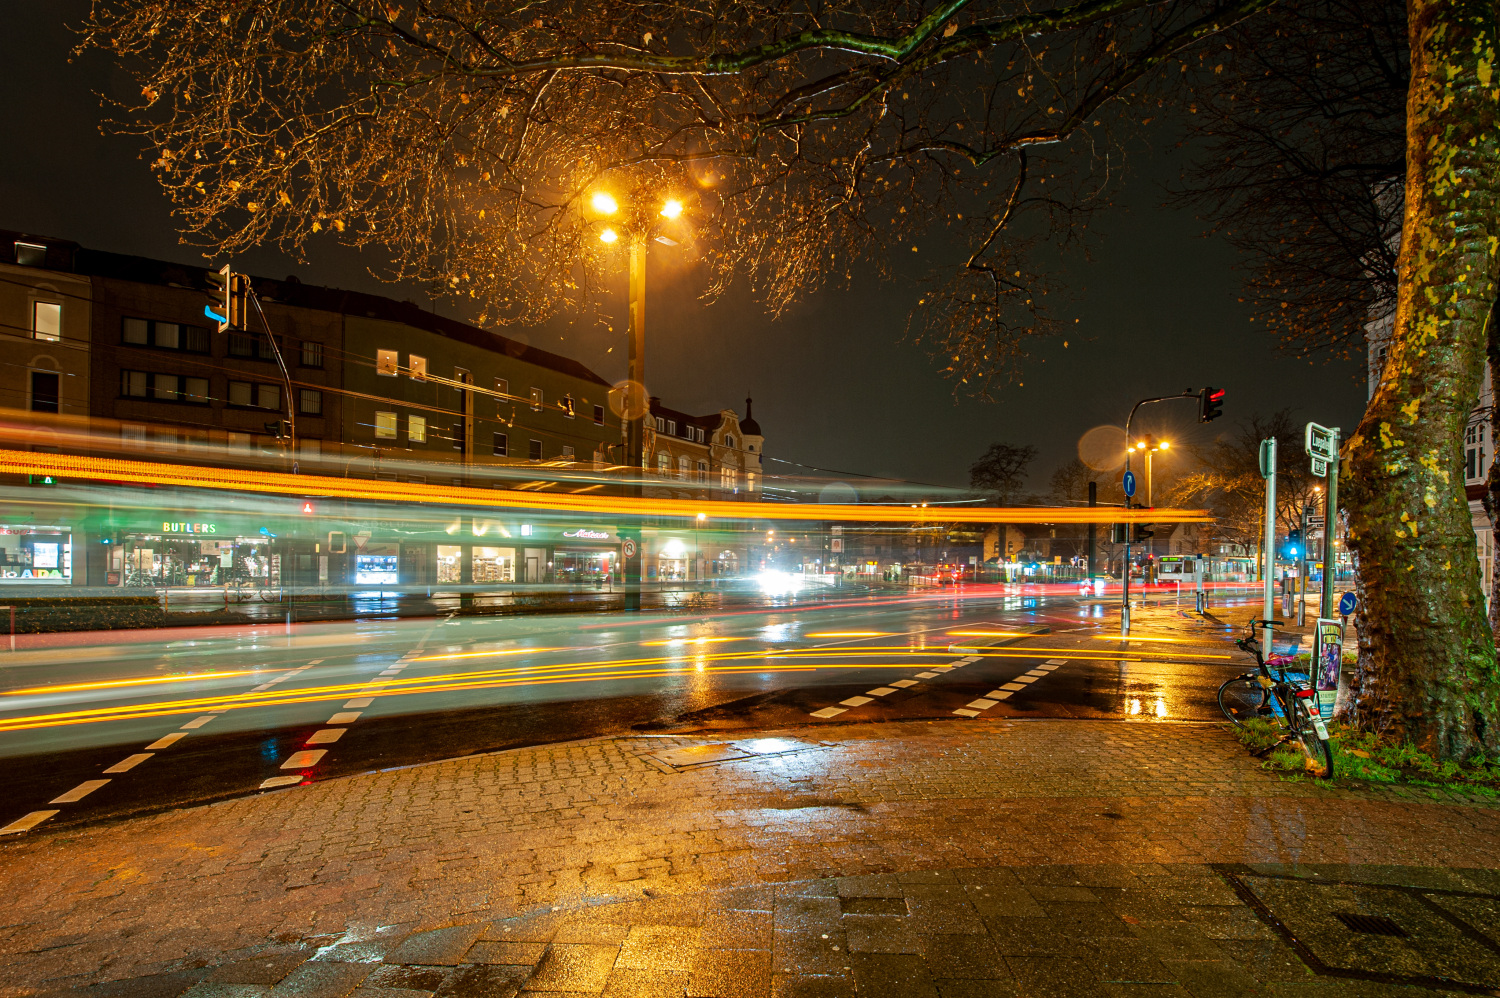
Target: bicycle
1288	698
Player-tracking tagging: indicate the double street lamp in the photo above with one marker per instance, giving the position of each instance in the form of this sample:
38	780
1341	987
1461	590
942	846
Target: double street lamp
637	223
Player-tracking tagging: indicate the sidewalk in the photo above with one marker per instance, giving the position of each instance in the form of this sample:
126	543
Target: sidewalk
950	858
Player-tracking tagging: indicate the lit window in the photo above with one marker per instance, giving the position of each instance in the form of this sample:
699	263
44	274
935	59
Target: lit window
416	429
310	402
567	452
164	387
567	404
133	383
167	335
536	399
683	468
195	390
663	462
385	425
535	450
135	331
502	445
749	481
312	354
418	367
268	396
241	393
703	471
386	363
46	320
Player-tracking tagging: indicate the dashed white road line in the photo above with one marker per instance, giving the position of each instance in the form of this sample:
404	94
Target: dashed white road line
79	792
128	763
891	687
27	822
993	697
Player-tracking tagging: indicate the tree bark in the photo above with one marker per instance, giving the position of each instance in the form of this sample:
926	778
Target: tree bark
1492	480
1427	667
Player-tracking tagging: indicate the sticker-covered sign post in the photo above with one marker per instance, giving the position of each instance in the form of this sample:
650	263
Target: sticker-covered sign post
1328	658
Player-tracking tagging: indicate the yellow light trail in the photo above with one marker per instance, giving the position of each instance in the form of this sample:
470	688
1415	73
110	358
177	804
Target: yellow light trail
849	634
993	634
483	654
1032	651
110	469
114	683
1118	637
688	641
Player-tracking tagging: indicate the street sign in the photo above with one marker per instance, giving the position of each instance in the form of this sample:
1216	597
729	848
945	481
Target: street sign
1129	483
1268	458
1322	445
1314	521
629	546
1347	602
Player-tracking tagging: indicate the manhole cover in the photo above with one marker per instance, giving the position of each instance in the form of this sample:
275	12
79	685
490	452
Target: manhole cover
711	754
1382	932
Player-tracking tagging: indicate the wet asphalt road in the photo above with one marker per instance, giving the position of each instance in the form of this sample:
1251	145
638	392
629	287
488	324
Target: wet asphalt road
157	720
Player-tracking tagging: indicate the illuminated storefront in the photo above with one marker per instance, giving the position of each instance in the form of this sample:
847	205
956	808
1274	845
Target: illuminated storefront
36	555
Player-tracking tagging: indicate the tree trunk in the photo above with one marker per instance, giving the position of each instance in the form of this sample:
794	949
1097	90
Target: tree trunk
1427	669
1492	480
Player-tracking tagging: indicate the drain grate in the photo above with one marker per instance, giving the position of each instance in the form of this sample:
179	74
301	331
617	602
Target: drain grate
1374	925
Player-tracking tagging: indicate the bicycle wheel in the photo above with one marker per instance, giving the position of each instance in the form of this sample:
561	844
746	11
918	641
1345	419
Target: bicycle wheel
1305	735
1242	698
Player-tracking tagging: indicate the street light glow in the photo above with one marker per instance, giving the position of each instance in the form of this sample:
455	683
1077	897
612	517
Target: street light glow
1164	445
608	236
671	209
604	204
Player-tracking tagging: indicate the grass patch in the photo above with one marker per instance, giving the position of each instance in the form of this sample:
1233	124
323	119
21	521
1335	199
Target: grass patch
1362	755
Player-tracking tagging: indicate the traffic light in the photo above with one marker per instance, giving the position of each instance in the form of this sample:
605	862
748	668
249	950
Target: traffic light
1293	543
1143	531
1210	404
1117	533
227	295
281	429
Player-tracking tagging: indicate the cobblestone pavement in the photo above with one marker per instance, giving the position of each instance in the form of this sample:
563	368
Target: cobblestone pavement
951	858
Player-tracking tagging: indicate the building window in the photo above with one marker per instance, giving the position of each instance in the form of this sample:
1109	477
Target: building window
166	336
195	390
535	450
502	445
136	332
416	429
164	387
749	481
241	344
502	386
684	468
385	425
661	424
598	415
416	367
310	402
31	254
663	463
672	427
700	435
268	396
312	353
241	393
46	391
133	384
459	434
567	452
386	363
46	320
536	400
703	472
567	404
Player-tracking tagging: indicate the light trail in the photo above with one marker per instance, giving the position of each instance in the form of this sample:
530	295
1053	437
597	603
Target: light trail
109	469
849	634
1118	637
993	634
116	683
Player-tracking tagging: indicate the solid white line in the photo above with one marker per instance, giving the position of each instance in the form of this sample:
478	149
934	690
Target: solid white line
279	781
199	722
27	822
344	717
166	741
304	759
327	736
128	763
79	792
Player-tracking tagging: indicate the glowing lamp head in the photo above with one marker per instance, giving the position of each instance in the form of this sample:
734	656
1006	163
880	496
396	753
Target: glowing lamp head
608	236
603	203
1164	444
671	209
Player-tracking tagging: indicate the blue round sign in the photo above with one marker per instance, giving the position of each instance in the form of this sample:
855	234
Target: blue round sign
1129	483
1347	603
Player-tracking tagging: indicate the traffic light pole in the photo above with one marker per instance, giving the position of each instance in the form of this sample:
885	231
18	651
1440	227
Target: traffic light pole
286	379
1330	525
1130	527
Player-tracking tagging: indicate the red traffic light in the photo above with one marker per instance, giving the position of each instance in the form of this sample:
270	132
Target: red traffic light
307	507
1210	404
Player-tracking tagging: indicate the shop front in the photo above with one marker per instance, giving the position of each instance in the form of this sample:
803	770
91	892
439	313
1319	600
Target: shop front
192	553
585	555
36	555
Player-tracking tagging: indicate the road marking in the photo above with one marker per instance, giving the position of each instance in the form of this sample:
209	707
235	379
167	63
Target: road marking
301	760
879	691
1003	693
982	704
345	716
1014	687
1055	662
79	792
828	712
927	675
166	741
279	781
999	694
1027	679
359	702
904	683
855	701
326	737
27	822
967	713
262	687
199	722
128	763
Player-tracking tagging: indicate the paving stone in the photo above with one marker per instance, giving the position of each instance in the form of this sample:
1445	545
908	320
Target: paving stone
881	934
150	986
659	947
893	975
216	990
266	968
964	956
1053	977
960	988
812	986
1125	961
519	954
321	980
535	928
810	952
574	967
736	929
730	973
1005	901
408	978
1025	936
484	981
437	948
807	913
873	906
364	992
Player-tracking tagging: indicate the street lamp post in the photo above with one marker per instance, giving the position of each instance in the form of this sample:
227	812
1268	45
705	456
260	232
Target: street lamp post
638	229
1130	527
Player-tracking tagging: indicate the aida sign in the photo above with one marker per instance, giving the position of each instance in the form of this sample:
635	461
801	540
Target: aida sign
189	528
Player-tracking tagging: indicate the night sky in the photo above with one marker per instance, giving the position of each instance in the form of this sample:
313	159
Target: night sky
834	384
